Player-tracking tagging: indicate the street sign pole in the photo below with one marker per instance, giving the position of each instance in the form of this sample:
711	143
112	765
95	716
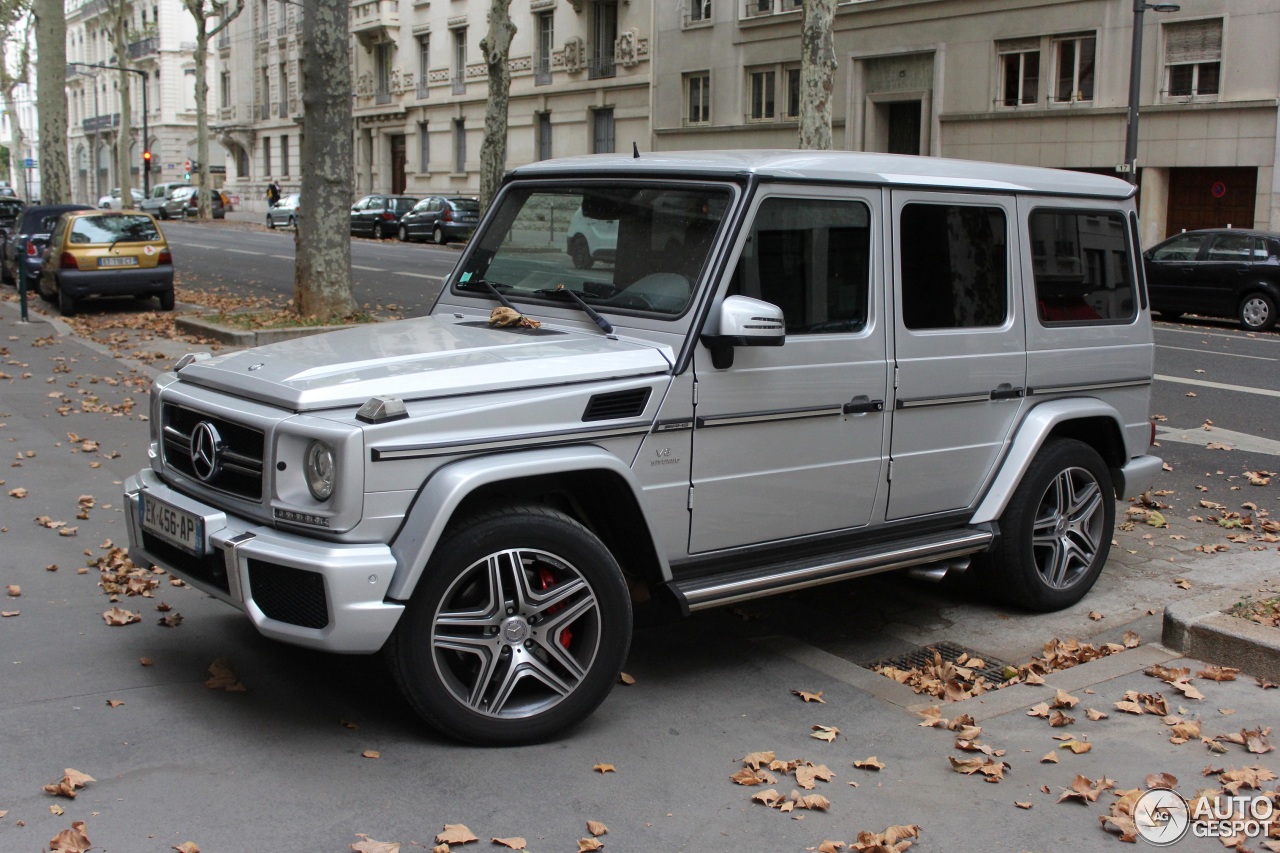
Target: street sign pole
22	288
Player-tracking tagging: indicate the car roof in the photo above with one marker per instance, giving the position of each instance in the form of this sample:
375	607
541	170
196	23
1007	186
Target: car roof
42	210
851	167
1204	232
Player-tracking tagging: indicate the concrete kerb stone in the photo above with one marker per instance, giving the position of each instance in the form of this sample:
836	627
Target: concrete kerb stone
1200	628
243	338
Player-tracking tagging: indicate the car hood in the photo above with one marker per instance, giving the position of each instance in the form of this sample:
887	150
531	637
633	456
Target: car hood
420	359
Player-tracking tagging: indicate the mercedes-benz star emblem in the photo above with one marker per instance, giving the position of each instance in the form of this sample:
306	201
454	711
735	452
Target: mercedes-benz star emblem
206	446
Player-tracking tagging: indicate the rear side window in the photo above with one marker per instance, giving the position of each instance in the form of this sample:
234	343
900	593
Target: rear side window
111	229
955	269
402	204
1083	267
1231	247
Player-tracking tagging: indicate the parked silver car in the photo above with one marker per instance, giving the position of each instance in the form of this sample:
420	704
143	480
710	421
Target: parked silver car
285	212
800	367
184	202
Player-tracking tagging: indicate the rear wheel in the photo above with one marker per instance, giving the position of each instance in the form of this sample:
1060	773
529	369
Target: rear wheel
166	300
1257	312
1056	532
271	223
292	223
67	304
438	235
1171	316
378	233
518	628
580	252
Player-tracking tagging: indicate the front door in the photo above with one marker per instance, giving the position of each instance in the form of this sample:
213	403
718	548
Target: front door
399	158
790	440
960	347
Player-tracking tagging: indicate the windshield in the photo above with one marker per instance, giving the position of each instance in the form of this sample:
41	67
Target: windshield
623	247
112	229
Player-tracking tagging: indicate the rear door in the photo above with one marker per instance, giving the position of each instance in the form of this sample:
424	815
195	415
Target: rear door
1226	268
960	347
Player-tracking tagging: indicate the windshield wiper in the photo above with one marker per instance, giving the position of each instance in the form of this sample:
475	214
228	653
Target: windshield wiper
470	283
604	324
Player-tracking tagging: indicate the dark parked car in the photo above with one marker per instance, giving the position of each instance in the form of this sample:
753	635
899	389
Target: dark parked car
31	234
378	216
285	212
10	210
443	218
1217	272
185	201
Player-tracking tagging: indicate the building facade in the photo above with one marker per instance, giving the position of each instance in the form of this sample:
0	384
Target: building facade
24	179
580	83
1015	81
161	44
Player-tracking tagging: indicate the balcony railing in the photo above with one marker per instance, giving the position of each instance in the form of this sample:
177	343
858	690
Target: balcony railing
382	96
93	125
144	47
756	8
265	112
282	30
459	83
423	89
602	67
542	72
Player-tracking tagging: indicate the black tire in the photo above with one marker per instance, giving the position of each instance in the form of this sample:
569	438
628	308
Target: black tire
5	275
438	235
577	636
271	223
1171	316
67	304
164	213
292	223
403	234
580	252
378	233
43	285
1257	312
1049	555
166	300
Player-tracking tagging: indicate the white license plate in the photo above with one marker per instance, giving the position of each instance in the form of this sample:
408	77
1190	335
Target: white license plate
128	261
172	524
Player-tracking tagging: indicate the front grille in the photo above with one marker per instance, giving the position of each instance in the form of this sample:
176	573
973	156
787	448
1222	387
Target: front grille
289	595
210	568
240	452
618	404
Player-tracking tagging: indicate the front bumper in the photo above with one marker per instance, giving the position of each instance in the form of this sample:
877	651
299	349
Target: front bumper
322	595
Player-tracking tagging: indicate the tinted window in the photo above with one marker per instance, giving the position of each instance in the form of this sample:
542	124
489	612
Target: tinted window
954	266
109	229
401	205
422	206
811	258
465	205
1181	248
1082	266
1231	247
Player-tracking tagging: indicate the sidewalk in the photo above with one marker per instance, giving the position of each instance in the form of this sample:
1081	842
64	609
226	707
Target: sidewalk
282	767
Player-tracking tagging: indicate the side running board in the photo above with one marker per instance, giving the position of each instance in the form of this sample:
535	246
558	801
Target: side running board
758	581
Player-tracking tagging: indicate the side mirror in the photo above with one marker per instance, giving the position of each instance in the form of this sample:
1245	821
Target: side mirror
744	322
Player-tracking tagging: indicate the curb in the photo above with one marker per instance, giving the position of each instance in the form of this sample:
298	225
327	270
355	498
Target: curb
238	338
1199	628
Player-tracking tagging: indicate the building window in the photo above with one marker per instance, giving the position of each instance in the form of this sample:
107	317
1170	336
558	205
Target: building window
460	61
459	145
225	89
697	95
1074	66
602	137
791	106
1193	57
762	95
424	64
604	33
544	136
284	154
424	148
284	91
382	59
1020	69
546	45
699	11
266	155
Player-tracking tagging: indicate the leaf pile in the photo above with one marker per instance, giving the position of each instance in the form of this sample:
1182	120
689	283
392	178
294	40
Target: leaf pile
942	678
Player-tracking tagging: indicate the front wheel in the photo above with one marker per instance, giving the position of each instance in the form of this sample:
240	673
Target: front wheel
1257	312
403	234
518	629
1056	532
580	253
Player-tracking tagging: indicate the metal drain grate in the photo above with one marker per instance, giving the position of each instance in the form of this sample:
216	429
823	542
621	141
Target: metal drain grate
992	669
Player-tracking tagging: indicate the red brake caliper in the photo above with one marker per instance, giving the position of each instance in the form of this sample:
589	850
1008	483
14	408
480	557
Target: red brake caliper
546	580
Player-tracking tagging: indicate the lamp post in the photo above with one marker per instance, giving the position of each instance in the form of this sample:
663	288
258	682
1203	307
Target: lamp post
1135	79
146	135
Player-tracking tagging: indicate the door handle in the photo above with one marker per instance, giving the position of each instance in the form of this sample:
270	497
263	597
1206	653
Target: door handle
862	405
1006	392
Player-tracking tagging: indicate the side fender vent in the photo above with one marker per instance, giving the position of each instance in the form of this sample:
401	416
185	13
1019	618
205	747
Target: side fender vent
617	404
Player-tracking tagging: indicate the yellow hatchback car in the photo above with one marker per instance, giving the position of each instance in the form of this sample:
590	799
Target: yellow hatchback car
106	253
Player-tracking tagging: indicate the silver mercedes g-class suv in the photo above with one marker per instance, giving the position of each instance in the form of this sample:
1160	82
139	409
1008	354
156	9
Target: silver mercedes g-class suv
798	367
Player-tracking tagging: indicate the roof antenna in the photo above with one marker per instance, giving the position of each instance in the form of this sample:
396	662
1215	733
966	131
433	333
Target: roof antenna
635	150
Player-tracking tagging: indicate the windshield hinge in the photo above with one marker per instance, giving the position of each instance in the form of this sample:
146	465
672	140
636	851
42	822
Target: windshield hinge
690	504
695	393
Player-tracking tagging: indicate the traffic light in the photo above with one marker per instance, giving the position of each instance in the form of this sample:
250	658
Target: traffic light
146	160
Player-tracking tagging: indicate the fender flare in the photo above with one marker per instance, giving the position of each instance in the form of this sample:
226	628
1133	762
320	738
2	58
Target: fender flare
1031	435
446	489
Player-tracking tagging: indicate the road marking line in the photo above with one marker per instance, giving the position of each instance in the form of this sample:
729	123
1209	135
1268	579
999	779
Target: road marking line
1237	440
290	257
1240	337
1204	383
1218	352
199	246
420	275
243	252
370	269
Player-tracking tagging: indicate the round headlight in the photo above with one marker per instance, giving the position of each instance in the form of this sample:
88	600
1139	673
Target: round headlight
320	470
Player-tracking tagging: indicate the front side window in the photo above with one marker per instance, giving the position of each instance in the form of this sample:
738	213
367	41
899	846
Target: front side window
811	258
1182	248
1193	57
955	270
1074	67
762	95
1082	265
650	243
698	98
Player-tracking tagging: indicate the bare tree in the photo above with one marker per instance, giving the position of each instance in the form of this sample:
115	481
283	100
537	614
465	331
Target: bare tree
51	93
120	12
15	26
817	73
203	11
322	273
496	47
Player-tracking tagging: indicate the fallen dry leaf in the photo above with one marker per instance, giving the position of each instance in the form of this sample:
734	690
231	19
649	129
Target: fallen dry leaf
9	613
223	677
596	828
1085	790
1095	715
1058	720
1095	615
66	786
56	809
120	616
13	590
371	753
516	843
587	845
18	492
114	703
1218	673
748	777
1077	746
192	847
827	733
893	840
770	798
809	697
368	845
807	775
755	759
73	840
604	768
455	833
871	763
1022	805
623	678
1050	758
1062	699
991	770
